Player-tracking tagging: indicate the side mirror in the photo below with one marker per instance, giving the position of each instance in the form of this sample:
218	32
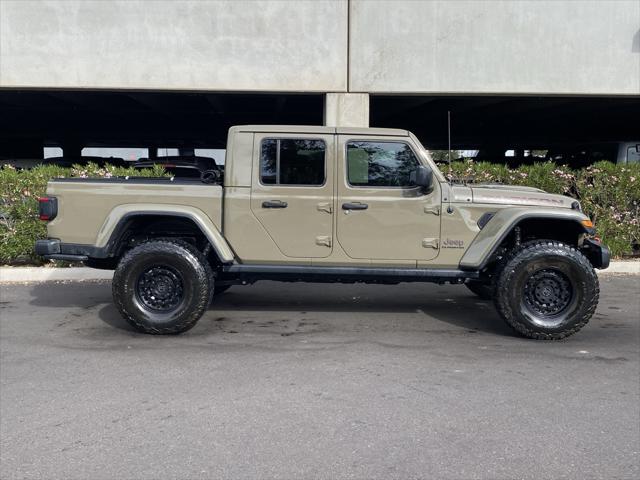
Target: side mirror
422	177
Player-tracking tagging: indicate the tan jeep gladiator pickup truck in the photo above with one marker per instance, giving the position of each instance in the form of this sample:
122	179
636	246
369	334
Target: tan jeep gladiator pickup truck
325	204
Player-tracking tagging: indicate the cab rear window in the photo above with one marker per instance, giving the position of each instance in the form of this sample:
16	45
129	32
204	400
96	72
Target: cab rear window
292	162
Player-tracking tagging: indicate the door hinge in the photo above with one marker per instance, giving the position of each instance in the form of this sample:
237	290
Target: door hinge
430	209
323	240
430	243
325	207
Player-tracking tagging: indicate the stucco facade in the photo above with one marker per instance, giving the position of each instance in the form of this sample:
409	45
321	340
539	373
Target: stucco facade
362	47
503	47
174	45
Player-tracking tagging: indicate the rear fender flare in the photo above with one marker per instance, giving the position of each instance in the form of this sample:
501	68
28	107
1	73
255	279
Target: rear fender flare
115	224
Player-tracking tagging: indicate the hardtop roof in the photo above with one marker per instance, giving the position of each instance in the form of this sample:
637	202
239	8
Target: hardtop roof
321	130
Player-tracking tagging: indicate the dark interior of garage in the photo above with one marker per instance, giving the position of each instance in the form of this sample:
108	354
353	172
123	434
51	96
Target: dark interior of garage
494	123
32	119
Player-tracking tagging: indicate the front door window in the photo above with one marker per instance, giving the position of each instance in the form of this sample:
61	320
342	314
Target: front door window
380	164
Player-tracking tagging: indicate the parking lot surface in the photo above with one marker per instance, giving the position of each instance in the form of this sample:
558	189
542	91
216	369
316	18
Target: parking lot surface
315	381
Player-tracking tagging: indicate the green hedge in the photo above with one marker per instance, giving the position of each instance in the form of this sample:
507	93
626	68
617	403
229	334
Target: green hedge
19	192
609	194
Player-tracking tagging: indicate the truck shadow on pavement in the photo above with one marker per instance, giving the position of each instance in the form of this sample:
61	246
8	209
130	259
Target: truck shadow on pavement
428	304
328	305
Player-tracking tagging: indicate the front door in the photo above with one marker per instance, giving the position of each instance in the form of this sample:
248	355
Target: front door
380	214
292	194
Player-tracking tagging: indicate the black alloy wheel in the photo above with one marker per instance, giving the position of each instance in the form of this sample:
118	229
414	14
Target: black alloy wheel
547	293
160	288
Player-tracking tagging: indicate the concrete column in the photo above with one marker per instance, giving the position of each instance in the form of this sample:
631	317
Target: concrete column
346	110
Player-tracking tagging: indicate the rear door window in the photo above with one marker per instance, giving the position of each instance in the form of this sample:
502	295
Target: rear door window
292	162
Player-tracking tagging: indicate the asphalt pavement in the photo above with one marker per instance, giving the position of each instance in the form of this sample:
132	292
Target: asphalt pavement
316	381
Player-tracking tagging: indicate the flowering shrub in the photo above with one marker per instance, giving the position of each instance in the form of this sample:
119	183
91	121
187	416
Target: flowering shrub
608	193
19	192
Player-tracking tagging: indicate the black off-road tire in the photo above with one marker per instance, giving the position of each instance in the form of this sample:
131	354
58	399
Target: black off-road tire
481	289
547	290
171	262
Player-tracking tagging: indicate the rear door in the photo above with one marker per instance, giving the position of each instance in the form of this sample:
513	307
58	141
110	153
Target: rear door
381	214
292	193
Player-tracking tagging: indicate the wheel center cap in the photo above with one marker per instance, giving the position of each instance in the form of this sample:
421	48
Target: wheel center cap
160	288
163	287
548	292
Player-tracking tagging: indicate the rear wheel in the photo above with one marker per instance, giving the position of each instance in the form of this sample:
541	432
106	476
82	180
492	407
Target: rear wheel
162	286
547	290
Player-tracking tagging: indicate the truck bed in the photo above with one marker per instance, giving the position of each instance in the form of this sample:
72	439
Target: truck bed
88	208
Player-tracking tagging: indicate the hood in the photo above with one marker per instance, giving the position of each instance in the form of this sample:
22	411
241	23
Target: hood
517	195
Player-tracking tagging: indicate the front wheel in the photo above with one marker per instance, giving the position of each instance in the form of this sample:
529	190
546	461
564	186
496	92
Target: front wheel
162	286
547	290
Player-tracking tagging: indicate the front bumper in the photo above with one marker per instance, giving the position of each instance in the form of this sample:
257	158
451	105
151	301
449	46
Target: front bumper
52	249
597	253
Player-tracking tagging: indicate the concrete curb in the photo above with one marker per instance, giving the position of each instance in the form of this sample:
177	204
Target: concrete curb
629	267
79	274
43	274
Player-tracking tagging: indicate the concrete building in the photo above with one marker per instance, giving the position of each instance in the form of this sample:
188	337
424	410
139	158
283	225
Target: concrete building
526	71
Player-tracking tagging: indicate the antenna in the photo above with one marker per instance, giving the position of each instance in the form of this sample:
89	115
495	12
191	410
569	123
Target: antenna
449	137
449	208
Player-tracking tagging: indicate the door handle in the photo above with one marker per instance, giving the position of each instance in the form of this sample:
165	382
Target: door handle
355	206
274	204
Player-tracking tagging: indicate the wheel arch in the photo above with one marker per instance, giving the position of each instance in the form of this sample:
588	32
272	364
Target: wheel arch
123	218
535	223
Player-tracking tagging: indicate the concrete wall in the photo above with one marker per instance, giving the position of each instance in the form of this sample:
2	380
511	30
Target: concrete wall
511	47
574	47
206	45
346	110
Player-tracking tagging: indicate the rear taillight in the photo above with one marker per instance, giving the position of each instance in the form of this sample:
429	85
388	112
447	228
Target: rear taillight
47	208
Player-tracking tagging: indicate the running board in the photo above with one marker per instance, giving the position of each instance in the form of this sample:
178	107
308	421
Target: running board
287	273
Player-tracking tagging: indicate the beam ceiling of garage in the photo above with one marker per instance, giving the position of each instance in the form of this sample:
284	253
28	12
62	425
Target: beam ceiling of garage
129	118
